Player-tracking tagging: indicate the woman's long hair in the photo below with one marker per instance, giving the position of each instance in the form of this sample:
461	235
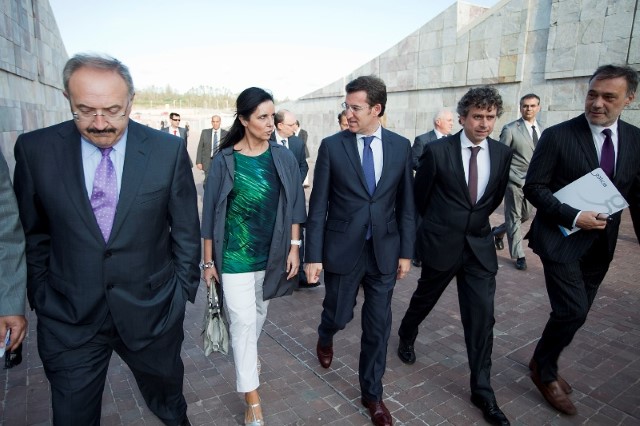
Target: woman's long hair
247	102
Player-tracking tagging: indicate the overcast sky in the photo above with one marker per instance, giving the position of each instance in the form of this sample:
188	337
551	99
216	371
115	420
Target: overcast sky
289	47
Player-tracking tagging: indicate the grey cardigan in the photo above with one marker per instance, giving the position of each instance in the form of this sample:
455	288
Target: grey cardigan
291	209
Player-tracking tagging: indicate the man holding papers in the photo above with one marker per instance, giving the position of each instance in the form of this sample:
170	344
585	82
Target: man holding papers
575	265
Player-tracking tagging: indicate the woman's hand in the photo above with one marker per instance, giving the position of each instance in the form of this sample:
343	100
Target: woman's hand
210	274
293	261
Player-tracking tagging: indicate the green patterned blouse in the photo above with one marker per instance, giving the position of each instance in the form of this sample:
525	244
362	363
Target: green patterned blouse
251	214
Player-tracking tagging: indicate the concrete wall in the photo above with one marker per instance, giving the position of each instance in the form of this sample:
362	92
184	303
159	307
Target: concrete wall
32	56
549	47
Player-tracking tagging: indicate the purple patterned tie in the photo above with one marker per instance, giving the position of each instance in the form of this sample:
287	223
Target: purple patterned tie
473	174
104	196
369	171
608	156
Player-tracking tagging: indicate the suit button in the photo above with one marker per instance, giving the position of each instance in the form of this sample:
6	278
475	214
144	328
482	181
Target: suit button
107	254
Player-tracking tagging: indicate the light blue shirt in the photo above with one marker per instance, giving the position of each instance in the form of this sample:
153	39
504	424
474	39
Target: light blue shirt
91	156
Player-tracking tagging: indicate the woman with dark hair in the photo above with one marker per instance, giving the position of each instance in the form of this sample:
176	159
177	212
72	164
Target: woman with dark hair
252	210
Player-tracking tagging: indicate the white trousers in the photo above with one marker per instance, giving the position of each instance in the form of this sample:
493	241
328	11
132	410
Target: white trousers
247	314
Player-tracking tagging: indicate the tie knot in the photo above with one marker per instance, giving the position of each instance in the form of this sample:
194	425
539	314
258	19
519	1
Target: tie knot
283	142
367	140
474	150
607	132
533	127
106	151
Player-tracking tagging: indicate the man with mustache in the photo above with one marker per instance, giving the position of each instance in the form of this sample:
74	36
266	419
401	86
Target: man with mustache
110	216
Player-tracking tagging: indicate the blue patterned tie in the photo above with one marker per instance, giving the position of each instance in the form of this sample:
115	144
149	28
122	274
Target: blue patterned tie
369	170
104	196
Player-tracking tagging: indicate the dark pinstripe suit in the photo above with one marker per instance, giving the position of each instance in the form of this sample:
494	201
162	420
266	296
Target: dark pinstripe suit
574	266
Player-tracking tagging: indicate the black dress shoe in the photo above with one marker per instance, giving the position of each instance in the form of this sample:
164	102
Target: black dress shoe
406	353
498	239
417	263
521	263
490	410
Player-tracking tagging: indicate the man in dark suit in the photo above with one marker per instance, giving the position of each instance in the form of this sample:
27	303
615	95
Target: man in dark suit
209	140
13	271
522	136
302	134
575	265
442	126
110	217
360	229
460	181
284	134
175	130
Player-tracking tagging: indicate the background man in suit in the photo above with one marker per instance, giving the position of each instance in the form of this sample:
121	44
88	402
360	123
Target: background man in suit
574	266
13	269
522	136
360	229
112	240
442	126
460	181
209	140
285	122
174	127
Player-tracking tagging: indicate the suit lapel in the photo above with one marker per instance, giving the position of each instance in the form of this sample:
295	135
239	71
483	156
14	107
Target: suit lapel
351	148
455	156
585	140
524	132
69	153
623	160
388	156
494	162
135	165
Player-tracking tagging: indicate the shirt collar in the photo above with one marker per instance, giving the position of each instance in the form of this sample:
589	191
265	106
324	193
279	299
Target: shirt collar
377	134
597	130
466	143
280	138
88	148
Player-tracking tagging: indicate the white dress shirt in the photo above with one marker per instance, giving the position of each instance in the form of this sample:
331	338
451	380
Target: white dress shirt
484	162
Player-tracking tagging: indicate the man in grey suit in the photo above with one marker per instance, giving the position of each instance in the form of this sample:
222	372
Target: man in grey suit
360	229
575	265
460	181
209	140
110	216
13	269
522	136
442	126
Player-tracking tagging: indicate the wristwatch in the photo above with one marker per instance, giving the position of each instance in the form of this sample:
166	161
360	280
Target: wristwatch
206	265
296	243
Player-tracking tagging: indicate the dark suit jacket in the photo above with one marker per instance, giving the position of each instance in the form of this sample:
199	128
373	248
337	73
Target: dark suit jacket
418	146
340	207
448	217
516	135
296	146
566	152
147	270
203	155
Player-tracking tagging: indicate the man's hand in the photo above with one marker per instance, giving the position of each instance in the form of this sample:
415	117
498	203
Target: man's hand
199	166
404	265
592	220
313	272
18	326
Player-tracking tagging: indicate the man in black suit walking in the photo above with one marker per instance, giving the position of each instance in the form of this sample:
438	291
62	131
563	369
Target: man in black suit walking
575	265
460	181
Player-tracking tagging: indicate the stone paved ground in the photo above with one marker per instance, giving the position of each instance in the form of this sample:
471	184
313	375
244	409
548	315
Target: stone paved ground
602	364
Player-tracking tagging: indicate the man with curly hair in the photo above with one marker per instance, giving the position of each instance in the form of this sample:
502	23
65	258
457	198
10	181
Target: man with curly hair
460	181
